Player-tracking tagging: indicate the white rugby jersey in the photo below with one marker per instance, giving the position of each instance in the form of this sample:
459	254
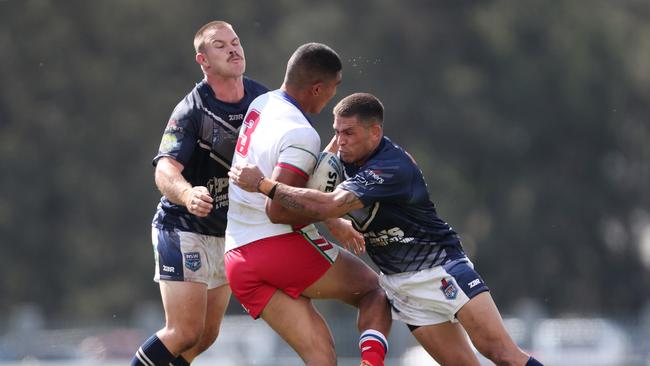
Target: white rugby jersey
275	132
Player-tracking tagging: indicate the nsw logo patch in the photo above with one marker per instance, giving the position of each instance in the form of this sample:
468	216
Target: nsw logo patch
449	288
193	261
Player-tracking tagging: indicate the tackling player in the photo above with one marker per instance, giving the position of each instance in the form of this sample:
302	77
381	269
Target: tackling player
431	284
275	262
188	228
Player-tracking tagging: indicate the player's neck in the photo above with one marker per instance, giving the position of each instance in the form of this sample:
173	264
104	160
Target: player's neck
300	96
372	151
229	90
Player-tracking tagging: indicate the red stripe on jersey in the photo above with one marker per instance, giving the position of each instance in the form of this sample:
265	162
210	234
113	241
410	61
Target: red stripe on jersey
293	169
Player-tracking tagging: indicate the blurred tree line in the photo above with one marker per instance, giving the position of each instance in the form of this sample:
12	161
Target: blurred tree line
529	120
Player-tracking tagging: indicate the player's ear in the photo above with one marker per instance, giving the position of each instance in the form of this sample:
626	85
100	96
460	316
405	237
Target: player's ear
376	131
316	88
200	59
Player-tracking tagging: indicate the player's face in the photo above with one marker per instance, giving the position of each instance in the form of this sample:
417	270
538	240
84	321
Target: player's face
327	91
222	54
356	141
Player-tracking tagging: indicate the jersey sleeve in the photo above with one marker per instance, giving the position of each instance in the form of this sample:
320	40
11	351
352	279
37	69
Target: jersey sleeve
180	135
299	151
380	183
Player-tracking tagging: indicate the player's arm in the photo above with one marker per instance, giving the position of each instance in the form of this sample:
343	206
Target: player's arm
310	204
316	205
279	214
172	184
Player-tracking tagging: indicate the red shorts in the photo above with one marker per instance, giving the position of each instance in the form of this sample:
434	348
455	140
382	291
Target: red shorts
288	262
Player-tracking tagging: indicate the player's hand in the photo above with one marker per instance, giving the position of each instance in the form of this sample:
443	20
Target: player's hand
246	176
346	235
198	201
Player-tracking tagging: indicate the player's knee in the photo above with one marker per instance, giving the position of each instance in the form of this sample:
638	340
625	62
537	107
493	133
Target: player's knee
185	337
207	339
370	282
375	295
499	353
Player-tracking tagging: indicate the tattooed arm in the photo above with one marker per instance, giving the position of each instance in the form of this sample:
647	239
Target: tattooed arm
309	203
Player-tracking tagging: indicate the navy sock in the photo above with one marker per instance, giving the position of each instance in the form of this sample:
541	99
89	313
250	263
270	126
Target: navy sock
533	362
152	353
180	361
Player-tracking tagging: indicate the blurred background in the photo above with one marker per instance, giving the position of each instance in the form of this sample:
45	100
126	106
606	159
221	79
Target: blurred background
529	119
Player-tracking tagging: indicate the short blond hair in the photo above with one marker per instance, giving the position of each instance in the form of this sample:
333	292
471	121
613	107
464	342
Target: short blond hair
199	37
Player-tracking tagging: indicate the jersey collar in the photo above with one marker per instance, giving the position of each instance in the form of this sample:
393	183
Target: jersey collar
291	100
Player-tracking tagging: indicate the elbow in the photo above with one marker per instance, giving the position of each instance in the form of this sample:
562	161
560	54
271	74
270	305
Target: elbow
276	216
158	179
275	220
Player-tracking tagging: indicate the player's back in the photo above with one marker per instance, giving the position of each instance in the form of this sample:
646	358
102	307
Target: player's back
275	131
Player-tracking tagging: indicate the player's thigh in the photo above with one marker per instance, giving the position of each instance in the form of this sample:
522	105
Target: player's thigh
446	343
481	318
301	326
184	303
349	279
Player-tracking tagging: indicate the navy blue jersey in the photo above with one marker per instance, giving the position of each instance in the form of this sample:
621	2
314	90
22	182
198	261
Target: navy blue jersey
402	230
201	134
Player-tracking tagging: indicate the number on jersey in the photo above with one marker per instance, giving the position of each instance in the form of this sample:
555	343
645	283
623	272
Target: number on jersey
248	127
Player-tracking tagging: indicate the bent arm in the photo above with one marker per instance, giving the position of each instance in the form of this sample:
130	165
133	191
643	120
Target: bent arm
170	181
309	203
279	214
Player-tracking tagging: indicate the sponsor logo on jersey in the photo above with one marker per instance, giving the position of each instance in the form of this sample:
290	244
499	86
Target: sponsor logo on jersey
368	178
449	288
474	283
217	185
167	268
193	261
374	177
387	236
235	117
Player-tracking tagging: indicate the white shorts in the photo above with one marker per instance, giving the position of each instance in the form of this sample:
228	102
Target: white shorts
434	295
186	256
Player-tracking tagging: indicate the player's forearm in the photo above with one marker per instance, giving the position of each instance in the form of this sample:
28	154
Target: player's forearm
172	185
308	204
281	215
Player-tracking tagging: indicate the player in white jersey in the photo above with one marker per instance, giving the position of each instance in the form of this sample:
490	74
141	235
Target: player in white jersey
275	263
284	138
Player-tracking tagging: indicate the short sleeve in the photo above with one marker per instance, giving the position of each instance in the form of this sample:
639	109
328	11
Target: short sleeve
380	184
180	135
299	150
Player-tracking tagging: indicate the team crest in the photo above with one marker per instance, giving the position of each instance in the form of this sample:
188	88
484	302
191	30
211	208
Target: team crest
449	289
193	261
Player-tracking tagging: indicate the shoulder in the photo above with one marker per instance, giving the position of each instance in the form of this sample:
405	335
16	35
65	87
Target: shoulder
396	154
303	132
391	162
390	154
274	106
190	104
